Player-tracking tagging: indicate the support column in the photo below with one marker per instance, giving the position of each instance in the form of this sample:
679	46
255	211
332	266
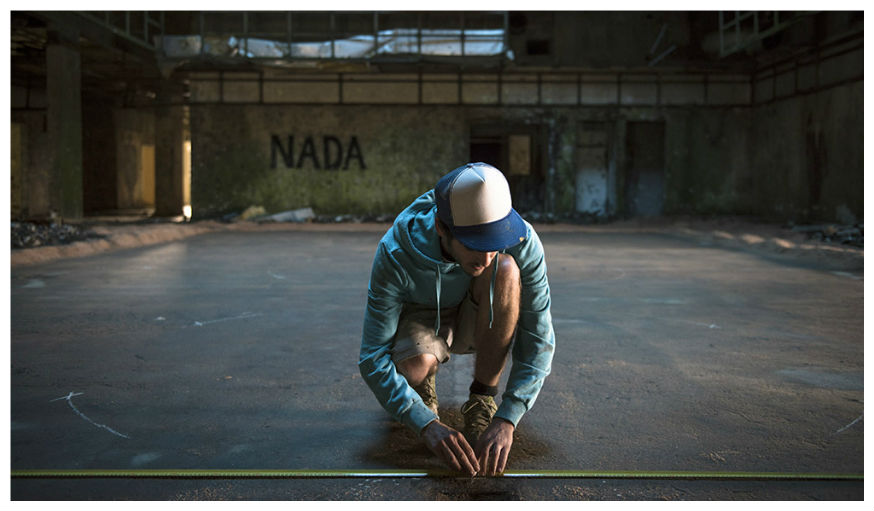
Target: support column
64	124
170	156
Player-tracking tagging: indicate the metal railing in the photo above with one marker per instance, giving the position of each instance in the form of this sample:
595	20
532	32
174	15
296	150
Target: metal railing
138	27
326	41
738	30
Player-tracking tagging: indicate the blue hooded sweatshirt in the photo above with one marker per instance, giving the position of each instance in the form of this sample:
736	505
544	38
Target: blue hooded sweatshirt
409	268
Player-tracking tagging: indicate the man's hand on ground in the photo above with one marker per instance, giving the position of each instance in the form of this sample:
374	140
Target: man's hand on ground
493	447
451	447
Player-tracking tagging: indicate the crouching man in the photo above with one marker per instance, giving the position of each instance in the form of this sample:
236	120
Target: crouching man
459	272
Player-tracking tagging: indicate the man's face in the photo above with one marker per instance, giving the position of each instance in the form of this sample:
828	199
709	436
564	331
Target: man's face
472	262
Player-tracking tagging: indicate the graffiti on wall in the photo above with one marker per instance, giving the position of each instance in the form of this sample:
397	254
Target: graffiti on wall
331	154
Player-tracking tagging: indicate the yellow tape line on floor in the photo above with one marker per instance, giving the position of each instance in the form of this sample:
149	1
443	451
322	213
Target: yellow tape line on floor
375	474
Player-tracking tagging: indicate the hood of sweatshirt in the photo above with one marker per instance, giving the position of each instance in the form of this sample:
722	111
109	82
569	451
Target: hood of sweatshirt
416	233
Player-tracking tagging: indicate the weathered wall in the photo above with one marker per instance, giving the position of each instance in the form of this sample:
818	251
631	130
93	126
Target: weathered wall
35	178
64	125
580	38
275	156
135	157
808	154
705	157
797	159
707	161
99	161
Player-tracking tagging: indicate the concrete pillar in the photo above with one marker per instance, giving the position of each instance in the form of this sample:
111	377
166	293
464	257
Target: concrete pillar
169	159
64	124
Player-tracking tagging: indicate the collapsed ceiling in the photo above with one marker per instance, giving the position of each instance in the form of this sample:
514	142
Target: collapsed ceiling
138	54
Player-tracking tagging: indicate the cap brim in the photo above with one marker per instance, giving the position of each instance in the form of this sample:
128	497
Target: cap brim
493	236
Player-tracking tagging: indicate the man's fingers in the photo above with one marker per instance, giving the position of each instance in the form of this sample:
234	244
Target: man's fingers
459	455
468	451
448	456
495	452
499	459
451	446
483	456
465	454
501	462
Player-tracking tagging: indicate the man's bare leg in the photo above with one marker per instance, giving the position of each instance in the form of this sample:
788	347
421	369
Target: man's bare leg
492	448
420	372
442	440
492	344
418	368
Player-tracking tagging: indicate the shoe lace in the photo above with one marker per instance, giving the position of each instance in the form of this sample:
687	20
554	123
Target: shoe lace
427	391
478	411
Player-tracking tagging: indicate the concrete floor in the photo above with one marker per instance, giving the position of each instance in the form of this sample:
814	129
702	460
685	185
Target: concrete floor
238	350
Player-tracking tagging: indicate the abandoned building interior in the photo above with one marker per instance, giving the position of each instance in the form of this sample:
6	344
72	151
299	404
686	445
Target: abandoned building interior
214	186
591	115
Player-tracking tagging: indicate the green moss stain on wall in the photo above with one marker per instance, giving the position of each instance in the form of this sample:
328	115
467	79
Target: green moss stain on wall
706	158
404	152
758	161
839	149
565	167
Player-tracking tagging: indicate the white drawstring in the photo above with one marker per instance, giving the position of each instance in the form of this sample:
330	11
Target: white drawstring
437	321
492	291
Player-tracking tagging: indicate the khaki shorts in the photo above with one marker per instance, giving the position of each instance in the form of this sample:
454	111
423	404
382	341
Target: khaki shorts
415	335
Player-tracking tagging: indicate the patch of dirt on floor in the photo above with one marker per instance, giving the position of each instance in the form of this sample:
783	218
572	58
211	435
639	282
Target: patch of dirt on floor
30	235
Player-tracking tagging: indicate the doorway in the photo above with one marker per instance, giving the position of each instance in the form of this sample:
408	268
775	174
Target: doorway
592	183
645	169
517	151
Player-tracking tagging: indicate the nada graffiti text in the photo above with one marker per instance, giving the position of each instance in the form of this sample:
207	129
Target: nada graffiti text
331	154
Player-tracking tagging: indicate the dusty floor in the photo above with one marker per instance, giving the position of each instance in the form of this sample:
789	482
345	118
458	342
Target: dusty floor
690	346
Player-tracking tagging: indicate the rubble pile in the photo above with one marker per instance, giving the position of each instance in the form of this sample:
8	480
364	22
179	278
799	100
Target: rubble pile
355	219
29	235
831	233
259	214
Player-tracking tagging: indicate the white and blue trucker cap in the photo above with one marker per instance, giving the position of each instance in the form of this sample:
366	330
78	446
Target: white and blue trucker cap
474	202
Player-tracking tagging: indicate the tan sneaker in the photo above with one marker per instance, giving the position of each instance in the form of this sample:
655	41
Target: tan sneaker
427	390
478	413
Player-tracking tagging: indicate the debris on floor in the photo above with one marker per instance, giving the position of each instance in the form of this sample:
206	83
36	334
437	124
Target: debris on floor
295	215
252	212
260	215
28	235
354	219
832	233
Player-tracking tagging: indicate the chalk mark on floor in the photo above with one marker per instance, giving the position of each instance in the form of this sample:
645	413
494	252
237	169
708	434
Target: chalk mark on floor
69	399
244	315
849	425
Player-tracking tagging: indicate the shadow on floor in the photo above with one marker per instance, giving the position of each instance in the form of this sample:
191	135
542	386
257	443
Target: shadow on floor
398	447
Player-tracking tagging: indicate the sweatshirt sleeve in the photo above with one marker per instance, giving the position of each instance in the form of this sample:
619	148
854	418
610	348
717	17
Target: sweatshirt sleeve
384	303
535	338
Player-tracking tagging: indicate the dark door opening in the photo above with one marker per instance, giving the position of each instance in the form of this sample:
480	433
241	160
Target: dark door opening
487	150
517	152
645	171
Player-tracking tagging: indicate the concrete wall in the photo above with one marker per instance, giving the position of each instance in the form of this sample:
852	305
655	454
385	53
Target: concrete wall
35	178
64	123
135	157
707	162
275	157
795	159
616	39
808	153
99	176
706	155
